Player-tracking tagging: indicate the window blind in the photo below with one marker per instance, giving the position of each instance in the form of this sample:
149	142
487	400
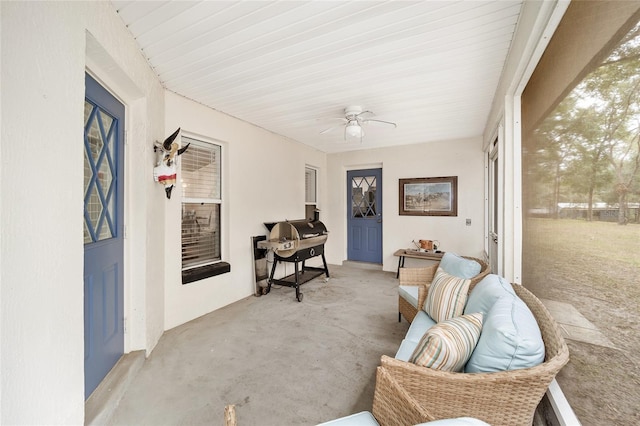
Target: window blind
200	234
200	170
310	185
201	199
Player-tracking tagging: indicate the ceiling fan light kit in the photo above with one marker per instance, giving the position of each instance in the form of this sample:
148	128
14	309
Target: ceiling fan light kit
353	130
353	121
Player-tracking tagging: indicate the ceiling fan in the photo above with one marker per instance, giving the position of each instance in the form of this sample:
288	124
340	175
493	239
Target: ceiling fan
354	118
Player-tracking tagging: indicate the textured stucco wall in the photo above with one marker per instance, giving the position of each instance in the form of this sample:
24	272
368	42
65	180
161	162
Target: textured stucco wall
44	54
263	181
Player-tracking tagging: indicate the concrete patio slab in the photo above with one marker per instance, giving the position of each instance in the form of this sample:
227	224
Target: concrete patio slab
574	325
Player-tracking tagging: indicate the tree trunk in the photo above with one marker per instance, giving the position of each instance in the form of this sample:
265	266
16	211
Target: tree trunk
556	193
590	206
622	205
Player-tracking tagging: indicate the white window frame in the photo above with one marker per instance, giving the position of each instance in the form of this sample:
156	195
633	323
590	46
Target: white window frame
314	203
308	169
203	142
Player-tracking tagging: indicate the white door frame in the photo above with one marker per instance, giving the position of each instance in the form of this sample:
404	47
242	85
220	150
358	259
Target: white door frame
101	67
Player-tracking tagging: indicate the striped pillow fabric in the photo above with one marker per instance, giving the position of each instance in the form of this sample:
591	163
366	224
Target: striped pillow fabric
447	296
449	344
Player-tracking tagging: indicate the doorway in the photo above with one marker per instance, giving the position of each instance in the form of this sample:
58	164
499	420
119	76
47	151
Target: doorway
364	215
103	232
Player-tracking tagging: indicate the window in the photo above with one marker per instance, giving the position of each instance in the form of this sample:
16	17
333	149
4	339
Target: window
201	202
310	191
581	198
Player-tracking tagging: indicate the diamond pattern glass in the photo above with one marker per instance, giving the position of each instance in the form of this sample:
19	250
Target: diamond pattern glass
363	196
99	174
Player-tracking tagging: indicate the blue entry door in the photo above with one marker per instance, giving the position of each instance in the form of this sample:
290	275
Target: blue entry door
103	233
364	215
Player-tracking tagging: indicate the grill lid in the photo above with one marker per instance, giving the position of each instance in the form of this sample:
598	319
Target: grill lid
286	238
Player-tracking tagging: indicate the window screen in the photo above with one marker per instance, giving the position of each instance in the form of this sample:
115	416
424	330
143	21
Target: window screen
581	197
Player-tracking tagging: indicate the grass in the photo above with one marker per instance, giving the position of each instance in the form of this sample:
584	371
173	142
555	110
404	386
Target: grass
573	255
579	238
595	266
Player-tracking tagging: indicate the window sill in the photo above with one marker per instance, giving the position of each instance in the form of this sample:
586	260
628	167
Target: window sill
197	274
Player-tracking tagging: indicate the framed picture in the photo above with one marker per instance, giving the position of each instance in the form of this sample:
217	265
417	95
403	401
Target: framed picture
435	196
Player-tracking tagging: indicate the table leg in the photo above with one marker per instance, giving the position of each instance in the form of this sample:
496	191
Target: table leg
400	265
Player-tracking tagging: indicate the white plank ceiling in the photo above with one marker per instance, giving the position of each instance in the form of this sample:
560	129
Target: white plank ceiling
291	67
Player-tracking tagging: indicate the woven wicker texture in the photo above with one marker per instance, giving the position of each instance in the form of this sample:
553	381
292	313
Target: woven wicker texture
423	277
503	398
230	416
414	277
398	407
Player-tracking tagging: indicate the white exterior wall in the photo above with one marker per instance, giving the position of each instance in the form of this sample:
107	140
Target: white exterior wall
462	158
43	65
263	181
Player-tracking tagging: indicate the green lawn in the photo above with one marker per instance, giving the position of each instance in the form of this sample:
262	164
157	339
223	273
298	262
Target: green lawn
596	259
594	266
593	240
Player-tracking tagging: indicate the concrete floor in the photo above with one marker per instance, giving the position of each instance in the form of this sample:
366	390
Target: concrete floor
574	325
279	361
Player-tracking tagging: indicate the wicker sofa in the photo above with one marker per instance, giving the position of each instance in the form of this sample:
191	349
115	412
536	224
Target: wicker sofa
406	393
412	281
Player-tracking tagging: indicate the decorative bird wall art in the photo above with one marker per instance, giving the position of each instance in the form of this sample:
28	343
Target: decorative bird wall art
165	170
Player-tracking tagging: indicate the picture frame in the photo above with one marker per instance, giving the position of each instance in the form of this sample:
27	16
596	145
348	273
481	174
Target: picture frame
429	196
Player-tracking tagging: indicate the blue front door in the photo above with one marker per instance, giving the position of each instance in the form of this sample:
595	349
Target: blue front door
364	215
103	233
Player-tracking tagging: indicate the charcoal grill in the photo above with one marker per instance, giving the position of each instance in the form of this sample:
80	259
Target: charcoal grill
295	242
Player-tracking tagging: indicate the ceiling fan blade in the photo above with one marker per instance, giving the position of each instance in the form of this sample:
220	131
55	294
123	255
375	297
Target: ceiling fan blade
344	120
362	113
379	122
327	130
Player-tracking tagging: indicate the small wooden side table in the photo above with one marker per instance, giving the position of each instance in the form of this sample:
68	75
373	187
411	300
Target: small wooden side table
415	254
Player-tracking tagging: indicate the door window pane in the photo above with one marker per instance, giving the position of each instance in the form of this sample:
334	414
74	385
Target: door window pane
363	196
99	172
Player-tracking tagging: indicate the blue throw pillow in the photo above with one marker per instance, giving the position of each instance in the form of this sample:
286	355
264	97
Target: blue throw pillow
456	265
510	339
486	293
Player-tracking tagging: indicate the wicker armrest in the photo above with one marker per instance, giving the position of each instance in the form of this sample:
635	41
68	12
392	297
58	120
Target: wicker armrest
392	405
504	398
417	276
230	415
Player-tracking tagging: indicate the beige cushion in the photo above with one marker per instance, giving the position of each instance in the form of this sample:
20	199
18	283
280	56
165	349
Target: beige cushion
447	296
448	345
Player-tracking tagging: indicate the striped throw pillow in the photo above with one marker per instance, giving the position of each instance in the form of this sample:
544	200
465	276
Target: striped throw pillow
447	296
449	344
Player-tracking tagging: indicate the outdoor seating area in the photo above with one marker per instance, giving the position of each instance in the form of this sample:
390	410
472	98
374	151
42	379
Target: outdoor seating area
511	372
495	371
